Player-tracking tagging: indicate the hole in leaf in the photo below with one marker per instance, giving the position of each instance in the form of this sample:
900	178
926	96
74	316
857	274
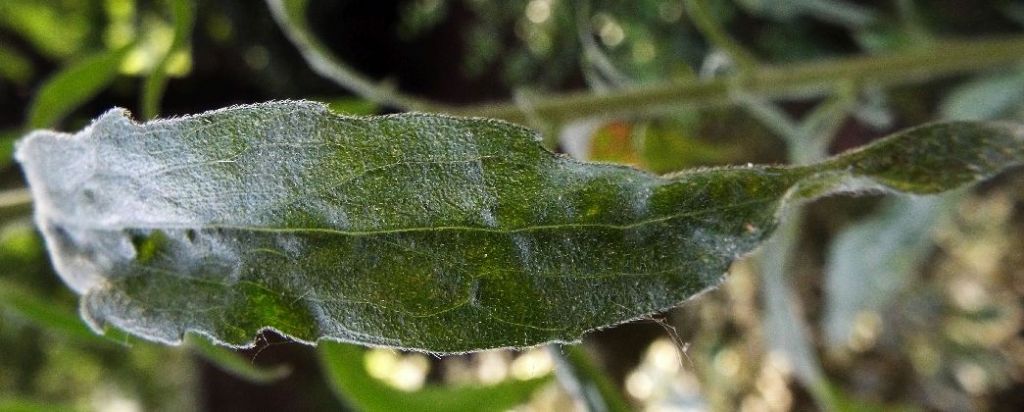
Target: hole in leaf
147	244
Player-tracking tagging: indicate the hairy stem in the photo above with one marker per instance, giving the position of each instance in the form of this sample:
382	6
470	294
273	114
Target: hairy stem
707	24
289	15
804	79
811	79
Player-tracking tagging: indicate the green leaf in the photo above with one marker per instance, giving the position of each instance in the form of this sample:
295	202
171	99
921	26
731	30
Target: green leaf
156	83
586	381
417	231
347	375
352	106
666	148
19	244
13	404
235	364
14	66
7	138
74	85
35	21
45	314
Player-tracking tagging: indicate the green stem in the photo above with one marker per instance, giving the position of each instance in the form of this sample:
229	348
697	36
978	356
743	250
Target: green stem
290	16
585	381
718	37
850	15
804	79
815	79
606	75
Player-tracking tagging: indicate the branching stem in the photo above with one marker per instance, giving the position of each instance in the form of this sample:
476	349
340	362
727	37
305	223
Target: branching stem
813	79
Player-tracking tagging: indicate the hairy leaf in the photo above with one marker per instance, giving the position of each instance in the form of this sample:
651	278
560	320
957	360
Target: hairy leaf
59	319
872	262
985	98
416	231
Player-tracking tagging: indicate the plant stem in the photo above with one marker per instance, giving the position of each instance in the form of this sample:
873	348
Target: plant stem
585	380
15	201
598	69
802	79
850	15
290	16
709	26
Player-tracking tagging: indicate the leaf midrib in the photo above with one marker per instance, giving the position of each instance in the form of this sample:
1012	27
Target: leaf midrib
421	229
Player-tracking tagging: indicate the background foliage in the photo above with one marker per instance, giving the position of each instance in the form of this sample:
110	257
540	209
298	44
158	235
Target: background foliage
878	302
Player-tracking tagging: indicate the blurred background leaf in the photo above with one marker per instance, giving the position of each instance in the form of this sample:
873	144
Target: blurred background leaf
73	86
233	363
988	97
24	405
871	263
183	12
35	21
346	368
